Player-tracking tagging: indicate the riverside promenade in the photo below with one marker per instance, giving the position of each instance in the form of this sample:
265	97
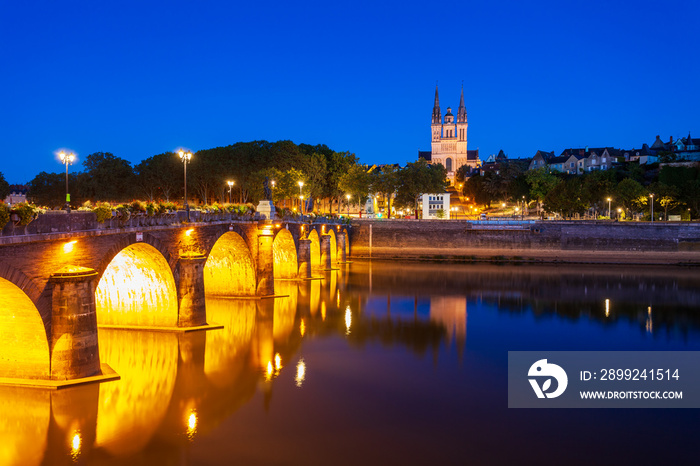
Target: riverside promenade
593	242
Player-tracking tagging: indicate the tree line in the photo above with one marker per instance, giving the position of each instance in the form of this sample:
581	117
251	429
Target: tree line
630	188
328	178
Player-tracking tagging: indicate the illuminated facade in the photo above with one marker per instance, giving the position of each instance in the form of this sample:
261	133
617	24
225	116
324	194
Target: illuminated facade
449	139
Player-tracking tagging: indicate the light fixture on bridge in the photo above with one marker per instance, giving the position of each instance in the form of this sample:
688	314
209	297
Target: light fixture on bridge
230	185
69	247
185	157
189	231
66	159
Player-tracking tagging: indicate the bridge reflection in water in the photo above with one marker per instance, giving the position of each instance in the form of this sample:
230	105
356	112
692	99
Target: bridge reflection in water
177	388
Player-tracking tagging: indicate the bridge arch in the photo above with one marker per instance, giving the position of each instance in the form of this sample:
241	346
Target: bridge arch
230	269
284	252
315	248
334	244
137	288
24	345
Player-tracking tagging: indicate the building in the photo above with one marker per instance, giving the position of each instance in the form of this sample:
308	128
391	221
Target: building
540	159
449	139
434	203
18	193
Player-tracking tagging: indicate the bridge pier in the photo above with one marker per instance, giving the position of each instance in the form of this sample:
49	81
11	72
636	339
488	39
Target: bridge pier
326	252
265	275
304	258
340	243
74	350
190	291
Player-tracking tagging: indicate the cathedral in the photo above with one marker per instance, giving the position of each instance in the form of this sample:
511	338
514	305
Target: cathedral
449	139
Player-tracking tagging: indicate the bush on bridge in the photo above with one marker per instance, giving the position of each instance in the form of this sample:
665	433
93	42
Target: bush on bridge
26	212
4	215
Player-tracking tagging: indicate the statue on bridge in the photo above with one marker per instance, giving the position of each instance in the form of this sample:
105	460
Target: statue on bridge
266	188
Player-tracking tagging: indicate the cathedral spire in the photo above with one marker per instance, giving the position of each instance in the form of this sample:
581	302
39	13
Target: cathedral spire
437	116
462	110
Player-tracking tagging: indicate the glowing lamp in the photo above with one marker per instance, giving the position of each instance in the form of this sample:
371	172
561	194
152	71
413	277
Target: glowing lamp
69	246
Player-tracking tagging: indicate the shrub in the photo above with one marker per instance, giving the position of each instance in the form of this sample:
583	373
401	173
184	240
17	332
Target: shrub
137	207
4	215
103	212
150	209
27	212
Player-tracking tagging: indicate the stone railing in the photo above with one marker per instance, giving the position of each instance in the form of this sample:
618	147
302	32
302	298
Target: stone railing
62	221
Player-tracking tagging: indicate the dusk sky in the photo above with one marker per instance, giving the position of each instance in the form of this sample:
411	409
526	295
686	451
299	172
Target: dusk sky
141	78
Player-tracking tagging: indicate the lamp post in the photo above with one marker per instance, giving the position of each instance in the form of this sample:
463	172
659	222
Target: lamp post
301	196
609	210
230	185
67	159
652	207
348	197
185	157
619	211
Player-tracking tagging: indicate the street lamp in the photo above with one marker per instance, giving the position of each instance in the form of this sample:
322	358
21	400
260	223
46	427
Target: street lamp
619	211
348	196
652	207
185	157
67	159
301	204
230	185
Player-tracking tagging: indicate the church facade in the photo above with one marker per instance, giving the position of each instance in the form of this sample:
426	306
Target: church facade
449	139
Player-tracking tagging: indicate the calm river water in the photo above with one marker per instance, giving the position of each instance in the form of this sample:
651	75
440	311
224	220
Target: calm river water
381	363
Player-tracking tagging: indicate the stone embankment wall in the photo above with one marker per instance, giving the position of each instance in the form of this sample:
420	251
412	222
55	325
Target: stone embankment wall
586	242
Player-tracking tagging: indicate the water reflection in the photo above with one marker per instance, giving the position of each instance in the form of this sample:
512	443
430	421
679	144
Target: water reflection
179	389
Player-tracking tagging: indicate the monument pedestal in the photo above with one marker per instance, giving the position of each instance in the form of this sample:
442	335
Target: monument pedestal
266	209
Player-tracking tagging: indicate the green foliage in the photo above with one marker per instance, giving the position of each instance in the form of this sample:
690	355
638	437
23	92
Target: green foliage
475	189
4	215
137	207
541	182
160	176
4	187
356	182
440	213
631	195
418	178
385	181
26	212
108	178
566	197
103	212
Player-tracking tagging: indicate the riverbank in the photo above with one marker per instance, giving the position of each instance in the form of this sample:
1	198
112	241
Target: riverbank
662	243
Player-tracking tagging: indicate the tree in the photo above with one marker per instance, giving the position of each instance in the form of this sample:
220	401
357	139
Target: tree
475	189
631	195
566	197
541	182
356	182
109	178
49	189
665	195
160	176
4	187
418	178
385	181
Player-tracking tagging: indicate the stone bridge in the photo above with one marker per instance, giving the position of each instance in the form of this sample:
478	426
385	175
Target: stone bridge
56	288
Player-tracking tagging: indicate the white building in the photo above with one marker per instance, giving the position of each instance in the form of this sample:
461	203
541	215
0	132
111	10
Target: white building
432	203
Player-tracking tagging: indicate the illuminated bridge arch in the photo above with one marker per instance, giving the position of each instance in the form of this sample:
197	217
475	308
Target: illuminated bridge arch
285	255
24	345
230	269
137	288
315	249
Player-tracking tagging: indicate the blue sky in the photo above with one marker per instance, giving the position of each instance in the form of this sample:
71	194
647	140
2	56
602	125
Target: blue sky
138	78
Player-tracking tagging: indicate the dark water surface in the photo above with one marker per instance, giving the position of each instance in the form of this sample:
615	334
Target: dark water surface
382	363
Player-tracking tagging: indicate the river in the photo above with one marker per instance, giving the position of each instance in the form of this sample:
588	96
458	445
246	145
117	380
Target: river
375	363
